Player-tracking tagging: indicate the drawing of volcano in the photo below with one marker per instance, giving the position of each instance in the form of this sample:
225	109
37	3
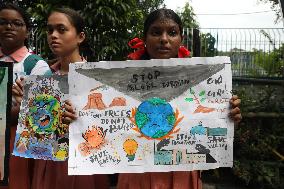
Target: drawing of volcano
118	101
95	101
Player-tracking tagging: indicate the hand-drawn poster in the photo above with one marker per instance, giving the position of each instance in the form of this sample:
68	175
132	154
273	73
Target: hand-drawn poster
6	79
40	131
151	116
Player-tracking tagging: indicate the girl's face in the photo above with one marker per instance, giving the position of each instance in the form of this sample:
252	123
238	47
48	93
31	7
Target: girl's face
163	39
13	30
62	36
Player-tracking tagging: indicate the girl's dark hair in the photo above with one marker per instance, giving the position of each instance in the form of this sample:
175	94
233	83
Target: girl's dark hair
21	11
162	14
62	140
73	16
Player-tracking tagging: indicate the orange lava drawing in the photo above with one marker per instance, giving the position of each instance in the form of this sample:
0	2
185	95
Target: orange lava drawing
202	109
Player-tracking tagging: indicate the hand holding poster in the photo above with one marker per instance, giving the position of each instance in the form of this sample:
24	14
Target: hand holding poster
151	116
6	77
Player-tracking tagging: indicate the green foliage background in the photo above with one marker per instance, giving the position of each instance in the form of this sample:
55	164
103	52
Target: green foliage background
110	24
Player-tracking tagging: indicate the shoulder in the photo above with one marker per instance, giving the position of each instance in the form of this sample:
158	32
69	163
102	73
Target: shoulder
36	64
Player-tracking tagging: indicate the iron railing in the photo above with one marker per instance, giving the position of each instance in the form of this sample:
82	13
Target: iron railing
254	52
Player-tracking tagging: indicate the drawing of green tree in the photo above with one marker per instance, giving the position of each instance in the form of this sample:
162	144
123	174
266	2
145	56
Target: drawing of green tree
197	98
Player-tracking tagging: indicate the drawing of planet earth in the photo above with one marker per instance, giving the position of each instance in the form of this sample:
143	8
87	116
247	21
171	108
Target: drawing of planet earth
2	74
155	117
43	113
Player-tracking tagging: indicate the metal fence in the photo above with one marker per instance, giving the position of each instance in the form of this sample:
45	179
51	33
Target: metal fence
254	52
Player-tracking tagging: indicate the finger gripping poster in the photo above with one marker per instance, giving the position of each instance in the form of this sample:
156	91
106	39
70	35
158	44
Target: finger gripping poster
40	131
151	116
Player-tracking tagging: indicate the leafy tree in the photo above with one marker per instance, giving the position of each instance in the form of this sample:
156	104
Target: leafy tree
110	23
271	62
188	17
207	45
124	23
203	42
144	7
189	22
274	4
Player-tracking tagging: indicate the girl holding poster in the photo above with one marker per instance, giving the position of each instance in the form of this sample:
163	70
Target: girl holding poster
65	36
14	31
163	40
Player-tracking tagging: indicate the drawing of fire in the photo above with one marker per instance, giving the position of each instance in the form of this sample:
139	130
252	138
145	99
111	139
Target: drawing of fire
94	140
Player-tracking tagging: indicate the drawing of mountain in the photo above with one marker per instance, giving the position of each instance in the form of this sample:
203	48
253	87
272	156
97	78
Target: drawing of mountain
118	101
95	101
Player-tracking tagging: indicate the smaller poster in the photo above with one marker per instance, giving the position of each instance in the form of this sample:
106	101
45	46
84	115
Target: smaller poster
40	131
6	79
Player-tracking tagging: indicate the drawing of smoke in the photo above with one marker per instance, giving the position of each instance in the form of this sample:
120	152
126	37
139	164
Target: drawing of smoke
171	82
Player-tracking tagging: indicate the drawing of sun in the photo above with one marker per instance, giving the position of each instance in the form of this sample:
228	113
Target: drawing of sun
155	119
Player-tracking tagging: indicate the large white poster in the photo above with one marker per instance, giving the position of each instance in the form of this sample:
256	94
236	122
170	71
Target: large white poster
151	116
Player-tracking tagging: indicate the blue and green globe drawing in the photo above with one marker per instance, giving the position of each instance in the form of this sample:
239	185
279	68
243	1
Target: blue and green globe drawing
43	113
155	117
